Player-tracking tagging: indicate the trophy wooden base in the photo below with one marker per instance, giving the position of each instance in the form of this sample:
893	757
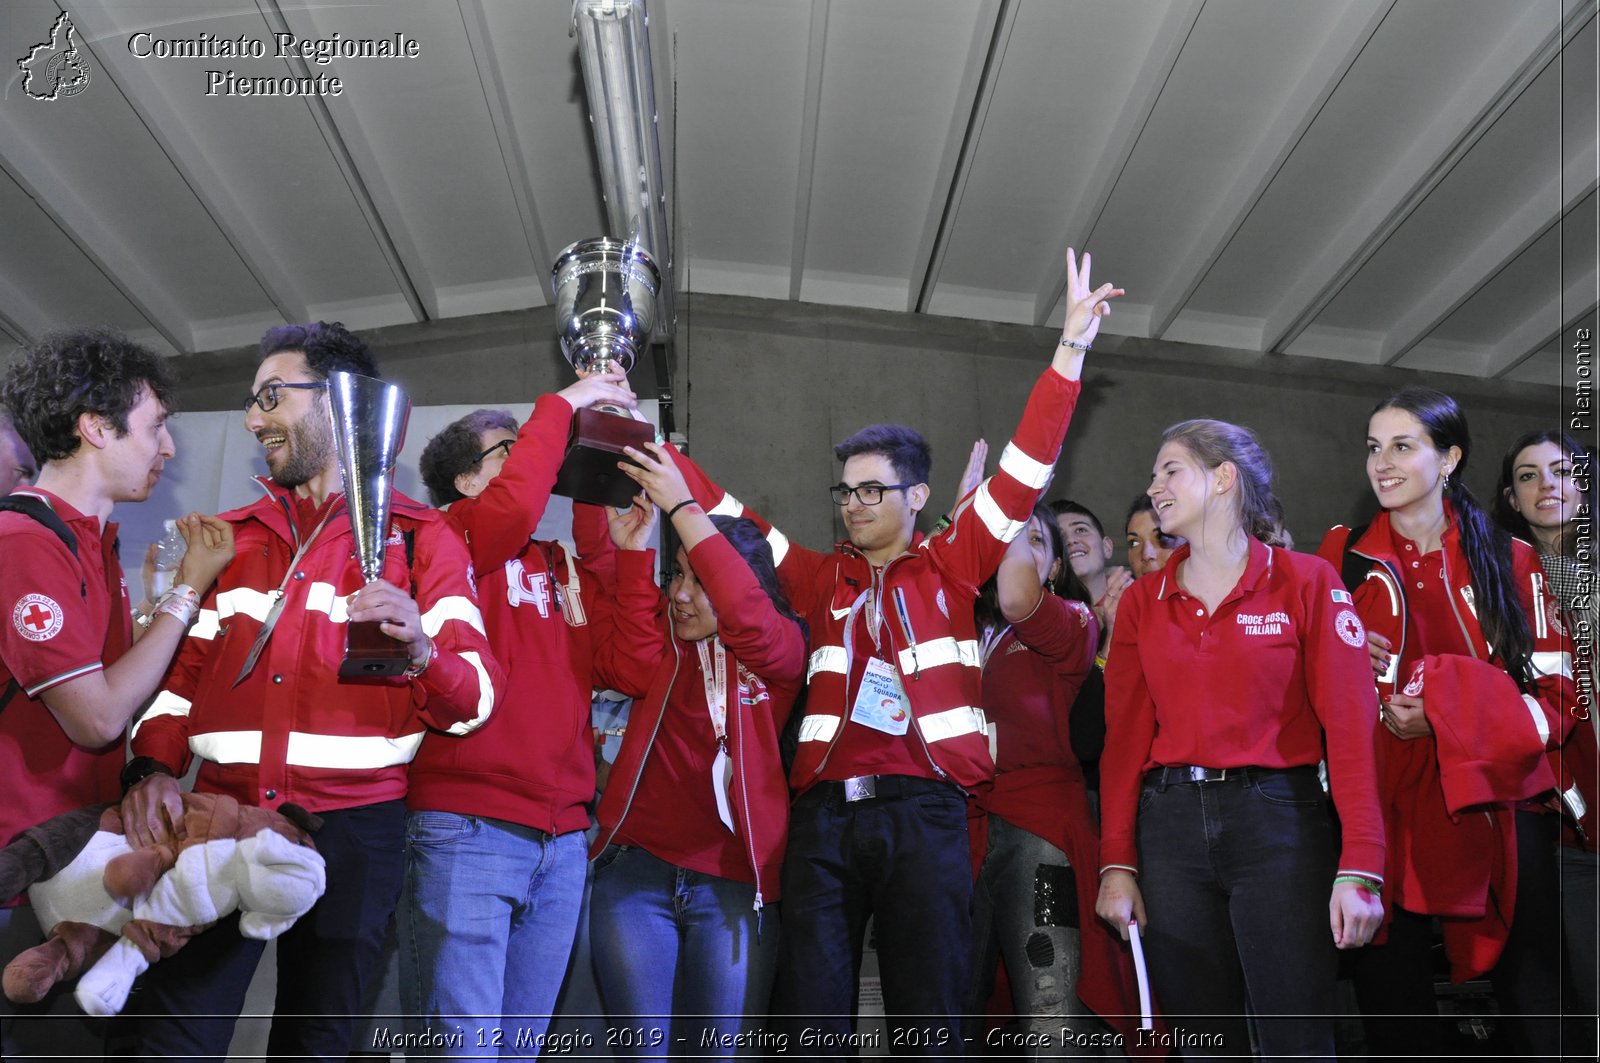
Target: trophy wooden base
589	473
369	652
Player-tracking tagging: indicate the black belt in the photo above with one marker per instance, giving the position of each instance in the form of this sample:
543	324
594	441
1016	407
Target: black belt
1194	774
875	787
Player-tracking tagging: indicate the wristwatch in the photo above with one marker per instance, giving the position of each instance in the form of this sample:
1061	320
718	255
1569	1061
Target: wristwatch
139	769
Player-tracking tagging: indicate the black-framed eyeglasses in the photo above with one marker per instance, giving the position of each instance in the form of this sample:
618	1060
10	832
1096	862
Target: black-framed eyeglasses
504	444
267	397
866	494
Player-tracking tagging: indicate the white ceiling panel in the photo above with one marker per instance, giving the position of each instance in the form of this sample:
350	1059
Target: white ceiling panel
1371	181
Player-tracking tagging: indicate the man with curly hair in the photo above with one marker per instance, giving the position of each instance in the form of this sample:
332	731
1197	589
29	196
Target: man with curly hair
257	698
92	406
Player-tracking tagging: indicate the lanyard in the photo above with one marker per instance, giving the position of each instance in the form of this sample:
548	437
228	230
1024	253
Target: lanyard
271	622
714	676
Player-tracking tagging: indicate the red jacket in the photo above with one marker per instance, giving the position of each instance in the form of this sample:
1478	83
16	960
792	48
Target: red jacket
933	643
63	618
293	730
767	654
1278	672
532	763
1446	858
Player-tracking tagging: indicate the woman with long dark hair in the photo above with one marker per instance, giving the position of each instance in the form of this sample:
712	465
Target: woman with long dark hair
1470	702
694	819
1035	883
1231	671
1545	497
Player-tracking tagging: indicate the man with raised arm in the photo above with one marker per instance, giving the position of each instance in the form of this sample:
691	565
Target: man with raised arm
892	737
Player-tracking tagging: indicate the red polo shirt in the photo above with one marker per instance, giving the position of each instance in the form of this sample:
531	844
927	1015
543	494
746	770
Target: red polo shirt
1281	663
64	617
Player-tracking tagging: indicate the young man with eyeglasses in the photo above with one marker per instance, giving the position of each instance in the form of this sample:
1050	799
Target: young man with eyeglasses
893	738
256	697
496	852
93	406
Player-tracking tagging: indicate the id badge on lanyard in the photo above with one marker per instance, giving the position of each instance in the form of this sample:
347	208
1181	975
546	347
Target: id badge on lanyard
714	674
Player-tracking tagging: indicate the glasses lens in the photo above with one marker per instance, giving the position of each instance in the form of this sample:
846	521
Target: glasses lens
266	398
841	495
870	494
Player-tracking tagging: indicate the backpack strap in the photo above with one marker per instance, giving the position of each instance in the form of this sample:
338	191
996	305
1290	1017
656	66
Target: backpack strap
40	510
1354	568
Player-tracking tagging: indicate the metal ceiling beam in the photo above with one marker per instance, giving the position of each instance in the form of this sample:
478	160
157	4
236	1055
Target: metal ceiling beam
1165	48
1352	28
348	147
498	104
810	116
210	189
1538	214
971	109
92	231
1484	95
1550	322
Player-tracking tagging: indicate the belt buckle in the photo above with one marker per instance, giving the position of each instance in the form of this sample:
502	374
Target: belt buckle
860	787
1204	775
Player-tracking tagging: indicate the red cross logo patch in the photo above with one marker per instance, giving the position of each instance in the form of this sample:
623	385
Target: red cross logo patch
37	617
1348	624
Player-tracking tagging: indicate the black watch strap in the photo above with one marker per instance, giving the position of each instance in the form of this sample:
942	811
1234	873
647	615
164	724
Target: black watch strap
140	768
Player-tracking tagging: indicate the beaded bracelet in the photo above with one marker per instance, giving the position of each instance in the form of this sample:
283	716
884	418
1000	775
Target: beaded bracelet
1075	345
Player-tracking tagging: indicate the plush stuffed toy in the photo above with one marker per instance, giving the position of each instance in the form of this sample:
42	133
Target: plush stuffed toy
111	911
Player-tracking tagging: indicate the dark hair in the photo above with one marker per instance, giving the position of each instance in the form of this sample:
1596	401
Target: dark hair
1582	472
455	451
905	448
329	348
1214	442
1140	504
76	371
745	537
1066	506
986	607
1488	548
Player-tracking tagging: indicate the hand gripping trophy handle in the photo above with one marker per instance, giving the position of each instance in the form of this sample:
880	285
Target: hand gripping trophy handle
605	294
369	427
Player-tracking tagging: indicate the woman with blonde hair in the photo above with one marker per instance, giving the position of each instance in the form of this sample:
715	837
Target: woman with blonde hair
1231	671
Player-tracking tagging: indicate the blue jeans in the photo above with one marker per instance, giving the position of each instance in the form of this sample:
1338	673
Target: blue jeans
1025	909
486	922
1580	905
1236	876
901	858
684	965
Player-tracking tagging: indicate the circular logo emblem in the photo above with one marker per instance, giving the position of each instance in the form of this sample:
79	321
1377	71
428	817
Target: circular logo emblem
37	617
66	74
1348	624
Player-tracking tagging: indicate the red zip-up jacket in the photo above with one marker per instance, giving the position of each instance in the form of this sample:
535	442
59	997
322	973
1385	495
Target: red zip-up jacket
765	673
532	763
933	642
293	729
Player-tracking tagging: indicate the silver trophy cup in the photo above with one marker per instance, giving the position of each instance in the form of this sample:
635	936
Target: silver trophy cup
369	427
605	293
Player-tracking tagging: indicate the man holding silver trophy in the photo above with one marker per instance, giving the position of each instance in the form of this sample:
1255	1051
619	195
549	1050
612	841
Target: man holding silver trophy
281	698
